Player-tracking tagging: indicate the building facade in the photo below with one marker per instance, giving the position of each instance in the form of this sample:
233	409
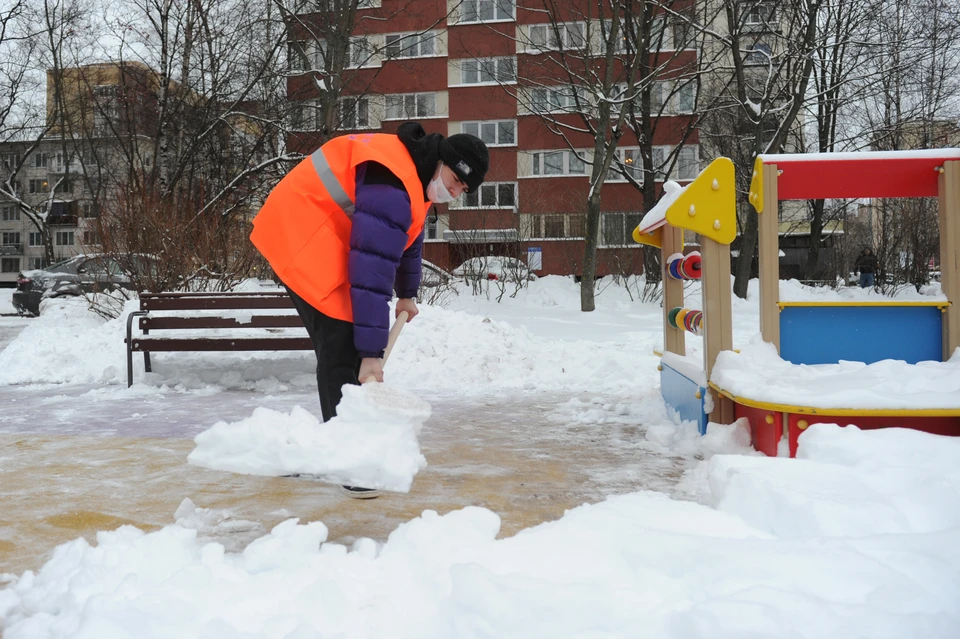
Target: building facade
478	67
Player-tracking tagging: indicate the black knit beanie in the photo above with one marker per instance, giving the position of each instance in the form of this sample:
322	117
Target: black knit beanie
467	156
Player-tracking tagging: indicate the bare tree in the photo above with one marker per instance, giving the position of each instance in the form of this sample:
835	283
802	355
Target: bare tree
602	73
762	87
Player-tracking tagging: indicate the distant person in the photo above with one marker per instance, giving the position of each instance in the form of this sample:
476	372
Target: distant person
344	230
866	265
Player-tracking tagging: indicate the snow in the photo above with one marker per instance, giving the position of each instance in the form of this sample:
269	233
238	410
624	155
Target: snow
758	373
655	217
6	302
369	443
856	537
787	158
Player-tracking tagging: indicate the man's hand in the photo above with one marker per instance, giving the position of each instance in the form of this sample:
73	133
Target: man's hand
371	367
409	305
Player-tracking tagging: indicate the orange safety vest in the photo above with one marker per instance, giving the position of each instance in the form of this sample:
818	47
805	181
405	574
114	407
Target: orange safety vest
303	229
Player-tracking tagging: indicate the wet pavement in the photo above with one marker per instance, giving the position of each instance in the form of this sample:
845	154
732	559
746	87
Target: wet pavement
75	460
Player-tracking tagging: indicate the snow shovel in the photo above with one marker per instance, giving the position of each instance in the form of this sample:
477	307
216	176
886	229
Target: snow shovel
371	395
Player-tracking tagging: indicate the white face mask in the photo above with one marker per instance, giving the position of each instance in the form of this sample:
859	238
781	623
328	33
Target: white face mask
437	191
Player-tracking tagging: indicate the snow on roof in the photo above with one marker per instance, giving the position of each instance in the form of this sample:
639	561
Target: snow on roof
656	217
783	158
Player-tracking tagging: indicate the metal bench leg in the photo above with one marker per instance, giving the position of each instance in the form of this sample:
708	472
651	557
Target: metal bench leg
129	341
146	362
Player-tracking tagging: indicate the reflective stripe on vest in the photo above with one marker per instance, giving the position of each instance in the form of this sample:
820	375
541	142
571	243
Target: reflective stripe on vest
330	182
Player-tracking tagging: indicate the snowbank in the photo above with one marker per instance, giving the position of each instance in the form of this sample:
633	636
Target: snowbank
6	301
857	538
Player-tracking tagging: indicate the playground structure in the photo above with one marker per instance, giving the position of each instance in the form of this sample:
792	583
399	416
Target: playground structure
706	206
814	332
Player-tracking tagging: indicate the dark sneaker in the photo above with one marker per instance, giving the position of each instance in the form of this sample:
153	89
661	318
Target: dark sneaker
355	492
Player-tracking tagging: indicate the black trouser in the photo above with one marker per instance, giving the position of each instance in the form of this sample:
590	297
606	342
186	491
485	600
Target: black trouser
338	362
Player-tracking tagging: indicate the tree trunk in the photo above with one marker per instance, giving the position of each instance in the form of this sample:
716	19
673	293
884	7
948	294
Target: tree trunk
812	268
748	249
588	279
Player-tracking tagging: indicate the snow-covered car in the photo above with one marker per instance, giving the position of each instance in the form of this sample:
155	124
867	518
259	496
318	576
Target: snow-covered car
77	275
433	276
494	267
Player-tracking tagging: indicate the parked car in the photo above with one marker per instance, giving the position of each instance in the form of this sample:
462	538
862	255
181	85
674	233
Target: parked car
432	275
494	267
74	276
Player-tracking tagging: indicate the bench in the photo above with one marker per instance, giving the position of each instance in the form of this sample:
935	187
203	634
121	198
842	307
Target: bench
192	312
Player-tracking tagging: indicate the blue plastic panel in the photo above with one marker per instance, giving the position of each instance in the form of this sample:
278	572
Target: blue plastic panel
826	334
680	394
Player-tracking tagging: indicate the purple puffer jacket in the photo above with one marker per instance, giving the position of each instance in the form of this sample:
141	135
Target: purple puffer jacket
378	263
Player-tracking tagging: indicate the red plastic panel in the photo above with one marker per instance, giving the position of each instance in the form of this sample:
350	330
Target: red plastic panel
765	436
806	179
935	425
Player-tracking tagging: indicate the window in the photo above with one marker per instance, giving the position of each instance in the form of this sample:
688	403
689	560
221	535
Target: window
9	264
355	113
618	227
628	163
90	238
431	227
38	186
493	132
361	52
10	213
490	195
296	55
486	10
36	262
759	14
488	71
89	209
558	163
411	45
11	239
10	161
404	106
40	160
35	238
63	186
758	55
569	35
105	106
686	97
557	99
687	164
64	238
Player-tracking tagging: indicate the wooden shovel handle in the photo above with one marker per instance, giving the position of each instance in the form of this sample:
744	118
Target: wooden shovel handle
391	340
394	333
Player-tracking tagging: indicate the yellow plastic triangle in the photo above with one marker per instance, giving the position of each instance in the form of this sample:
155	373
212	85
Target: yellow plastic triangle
708	205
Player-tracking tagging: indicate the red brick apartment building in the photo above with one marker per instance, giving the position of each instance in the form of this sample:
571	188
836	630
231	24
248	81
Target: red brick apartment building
461	66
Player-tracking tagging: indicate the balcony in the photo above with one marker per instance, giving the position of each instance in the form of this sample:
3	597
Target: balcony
11	249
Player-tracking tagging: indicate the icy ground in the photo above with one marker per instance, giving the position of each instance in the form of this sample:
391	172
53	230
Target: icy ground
537	410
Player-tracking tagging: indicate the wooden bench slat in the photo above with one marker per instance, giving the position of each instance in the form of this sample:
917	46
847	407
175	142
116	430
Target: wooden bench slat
211	302
222	344
214	303
257	321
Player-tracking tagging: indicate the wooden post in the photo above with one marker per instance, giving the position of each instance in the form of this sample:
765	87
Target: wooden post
949	196
717	316
769	258
673	339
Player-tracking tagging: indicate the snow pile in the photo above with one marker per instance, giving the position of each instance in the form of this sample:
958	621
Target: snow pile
371	443
855	539
67	343
759	373
463	351
6	302
794	291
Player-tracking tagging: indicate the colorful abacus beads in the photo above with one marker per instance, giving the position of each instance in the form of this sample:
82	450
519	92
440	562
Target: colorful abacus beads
686	319
681	267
